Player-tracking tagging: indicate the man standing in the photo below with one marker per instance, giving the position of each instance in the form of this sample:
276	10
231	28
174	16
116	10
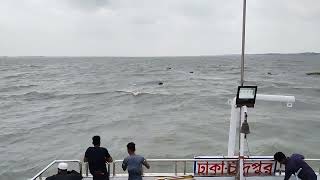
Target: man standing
97	157
294	164
134	163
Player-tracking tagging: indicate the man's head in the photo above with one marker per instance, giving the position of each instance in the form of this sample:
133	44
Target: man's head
280	157
131	147
62	168
96	140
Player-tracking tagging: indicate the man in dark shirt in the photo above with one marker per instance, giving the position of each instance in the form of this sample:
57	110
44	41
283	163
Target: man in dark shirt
293	164
97	157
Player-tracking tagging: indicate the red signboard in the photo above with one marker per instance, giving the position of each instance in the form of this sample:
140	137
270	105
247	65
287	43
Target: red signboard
229	167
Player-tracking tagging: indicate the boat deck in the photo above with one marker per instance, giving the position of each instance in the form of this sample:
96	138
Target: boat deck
216	167
152	176
210	178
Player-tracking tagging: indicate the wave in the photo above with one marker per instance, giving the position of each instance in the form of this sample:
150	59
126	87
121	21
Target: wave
34	66
86	94
211	78
140	93
152	83
18	75
16	88
14	76
35	95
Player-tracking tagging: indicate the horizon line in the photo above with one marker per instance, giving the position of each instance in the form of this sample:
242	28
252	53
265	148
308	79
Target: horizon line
297	53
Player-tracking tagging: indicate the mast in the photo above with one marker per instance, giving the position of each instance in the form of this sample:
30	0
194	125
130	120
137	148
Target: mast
243	41
242	109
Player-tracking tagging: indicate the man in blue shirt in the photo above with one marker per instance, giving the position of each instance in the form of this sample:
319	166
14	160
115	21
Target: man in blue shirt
134	163
293	164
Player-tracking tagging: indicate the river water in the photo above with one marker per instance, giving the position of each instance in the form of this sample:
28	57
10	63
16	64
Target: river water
52	106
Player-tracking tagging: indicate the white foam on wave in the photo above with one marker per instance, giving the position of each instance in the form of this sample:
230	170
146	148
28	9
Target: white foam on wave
136	93
141	92
132	92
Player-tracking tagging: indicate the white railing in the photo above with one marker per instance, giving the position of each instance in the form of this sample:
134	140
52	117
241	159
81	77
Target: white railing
175	163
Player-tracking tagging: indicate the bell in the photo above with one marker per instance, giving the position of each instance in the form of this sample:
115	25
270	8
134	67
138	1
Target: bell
245	127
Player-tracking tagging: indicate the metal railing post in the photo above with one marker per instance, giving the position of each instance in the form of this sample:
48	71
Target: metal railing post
176	168
87	169
184	167
40	176
114	169
80	168
142	171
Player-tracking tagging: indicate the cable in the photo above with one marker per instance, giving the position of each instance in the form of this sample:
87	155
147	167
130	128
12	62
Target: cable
248	149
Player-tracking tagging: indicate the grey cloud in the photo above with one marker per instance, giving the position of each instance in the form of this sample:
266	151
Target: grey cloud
153	27
87	4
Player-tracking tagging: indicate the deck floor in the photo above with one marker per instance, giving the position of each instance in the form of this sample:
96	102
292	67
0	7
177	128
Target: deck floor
211	178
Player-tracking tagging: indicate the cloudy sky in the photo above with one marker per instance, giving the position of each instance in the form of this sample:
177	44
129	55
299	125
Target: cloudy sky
156	27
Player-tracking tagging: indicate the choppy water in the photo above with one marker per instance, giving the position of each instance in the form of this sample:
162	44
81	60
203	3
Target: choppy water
51	107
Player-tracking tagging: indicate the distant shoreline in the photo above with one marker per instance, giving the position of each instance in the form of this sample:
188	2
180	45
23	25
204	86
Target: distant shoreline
303	53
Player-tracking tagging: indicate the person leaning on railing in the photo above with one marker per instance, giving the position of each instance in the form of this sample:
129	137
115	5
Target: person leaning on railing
134	163
295	164
64	174
97	157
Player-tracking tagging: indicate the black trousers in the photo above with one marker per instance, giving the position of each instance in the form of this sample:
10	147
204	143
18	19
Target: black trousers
98	175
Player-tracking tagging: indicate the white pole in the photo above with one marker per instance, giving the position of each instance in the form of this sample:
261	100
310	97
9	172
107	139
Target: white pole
234	121
244	111
243	41
242	70
278	98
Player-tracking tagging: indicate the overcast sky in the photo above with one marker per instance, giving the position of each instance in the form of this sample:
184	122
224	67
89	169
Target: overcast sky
156	27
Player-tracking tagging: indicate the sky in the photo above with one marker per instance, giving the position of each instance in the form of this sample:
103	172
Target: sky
156	27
